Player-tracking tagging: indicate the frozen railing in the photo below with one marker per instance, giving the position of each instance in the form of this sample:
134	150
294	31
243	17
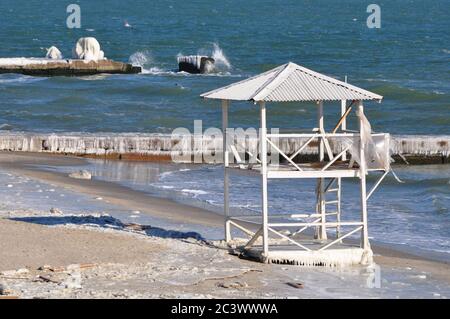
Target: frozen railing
103	144
336	146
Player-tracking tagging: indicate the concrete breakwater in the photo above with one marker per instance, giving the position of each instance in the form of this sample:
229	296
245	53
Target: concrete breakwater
69	67
416	149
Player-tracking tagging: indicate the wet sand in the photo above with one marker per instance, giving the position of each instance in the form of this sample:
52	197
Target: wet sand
110	192
30	245
84	246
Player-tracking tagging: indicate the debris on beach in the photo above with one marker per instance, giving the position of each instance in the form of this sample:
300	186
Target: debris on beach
73	281
83	174
233	285
47	278
3	289
6	293
14	273
297	285
56	211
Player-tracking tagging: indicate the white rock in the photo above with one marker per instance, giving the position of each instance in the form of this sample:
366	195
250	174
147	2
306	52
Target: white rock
54	53
88	49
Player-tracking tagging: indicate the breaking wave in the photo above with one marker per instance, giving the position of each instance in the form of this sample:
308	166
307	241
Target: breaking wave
146	61
221	65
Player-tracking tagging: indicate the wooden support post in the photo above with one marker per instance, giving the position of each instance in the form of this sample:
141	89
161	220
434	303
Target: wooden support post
321	181
344	122
320	123
338	216
264	199
363	171
226	178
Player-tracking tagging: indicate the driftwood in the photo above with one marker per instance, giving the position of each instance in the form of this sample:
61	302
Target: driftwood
297	285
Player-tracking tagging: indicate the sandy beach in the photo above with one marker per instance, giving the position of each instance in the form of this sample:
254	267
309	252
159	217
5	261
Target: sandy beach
94	255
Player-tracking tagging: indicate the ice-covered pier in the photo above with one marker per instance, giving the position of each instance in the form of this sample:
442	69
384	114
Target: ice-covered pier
67	67
416	149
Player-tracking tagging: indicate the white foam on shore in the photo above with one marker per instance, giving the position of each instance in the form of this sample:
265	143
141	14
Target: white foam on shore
194	192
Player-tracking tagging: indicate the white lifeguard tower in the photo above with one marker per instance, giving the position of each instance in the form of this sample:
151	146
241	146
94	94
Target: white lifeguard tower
315	238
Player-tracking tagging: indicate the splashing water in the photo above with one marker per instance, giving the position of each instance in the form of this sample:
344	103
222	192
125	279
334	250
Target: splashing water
221	63
220	58
145	60
141	58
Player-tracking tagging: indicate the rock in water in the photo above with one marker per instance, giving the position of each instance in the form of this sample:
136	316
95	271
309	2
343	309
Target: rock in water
54	53
88	49
83	174
195	64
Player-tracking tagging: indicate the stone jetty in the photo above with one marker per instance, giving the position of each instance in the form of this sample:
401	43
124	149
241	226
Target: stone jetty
64	67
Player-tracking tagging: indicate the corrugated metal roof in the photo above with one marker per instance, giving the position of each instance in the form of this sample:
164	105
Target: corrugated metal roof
291	82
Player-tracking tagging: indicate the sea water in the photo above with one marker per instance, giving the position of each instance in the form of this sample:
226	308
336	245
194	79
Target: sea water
406	61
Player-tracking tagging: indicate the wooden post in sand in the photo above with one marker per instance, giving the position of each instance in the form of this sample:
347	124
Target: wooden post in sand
226	178
321	181
264	193
363	172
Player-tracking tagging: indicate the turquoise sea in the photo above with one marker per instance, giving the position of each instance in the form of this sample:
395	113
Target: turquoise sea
406	61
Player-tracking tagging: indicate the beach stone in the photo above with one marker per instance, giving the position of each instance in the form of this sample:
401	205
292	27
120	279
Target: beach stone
44	267
233	285
83	174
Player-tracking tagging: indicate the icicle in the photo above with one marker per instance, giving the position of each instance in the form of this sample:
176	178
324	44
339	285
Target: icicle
324	258
159	144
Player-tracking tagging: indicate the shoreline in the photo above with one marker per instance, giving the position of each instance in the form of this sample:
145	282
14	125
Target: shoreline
393	262
110	192
123	196
97	256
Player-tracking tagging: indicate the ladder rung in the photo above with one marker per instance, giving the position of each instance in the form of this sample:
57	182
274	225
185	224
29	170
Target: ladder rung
333	190
304	215
312	215
332	202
